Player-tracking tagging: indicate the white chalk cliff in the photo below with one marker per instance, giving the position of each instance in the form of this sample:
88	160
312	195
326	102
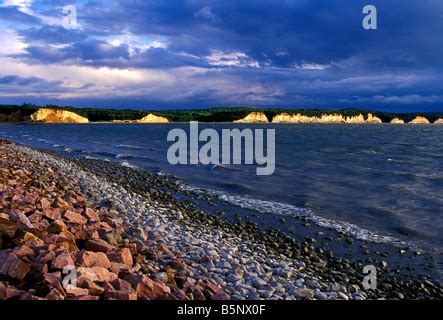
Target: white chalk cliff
57	116
253	117
397	121
324	118
152	118
419	120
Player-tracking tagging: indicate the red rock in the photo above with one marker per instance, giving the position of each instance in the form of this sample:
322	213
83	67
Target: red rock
72	291
97	274
90	259
62	260
38	267
9	293
88	233
105	228
74	217
45	256
93	288
8	227
55	294
122	285
53	280
60	203
43	225
45	203
120	295
146	288
119	267
64	240
35	217
56	226
98	245
79	198
20	218
91	214
121	256
30	240
23	251
11	266
53	214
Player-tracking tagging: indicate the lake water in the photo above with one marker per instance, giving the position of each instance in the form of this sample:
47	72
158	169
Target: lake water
382	183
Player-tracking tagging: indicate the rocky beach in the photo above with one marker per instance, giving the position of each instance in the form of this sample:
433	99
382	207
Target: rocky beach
88	229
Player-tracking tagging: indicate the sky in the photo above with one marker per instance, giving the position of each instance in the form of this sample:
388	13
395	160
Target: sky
173	54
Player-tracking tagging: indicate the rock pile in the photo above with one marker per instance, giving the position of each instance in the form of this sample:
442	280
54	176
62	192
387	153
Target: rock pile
56	245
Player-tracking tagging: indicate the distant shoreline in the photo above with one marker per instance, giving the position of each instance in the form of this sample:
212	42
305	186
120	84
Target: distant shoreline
54	114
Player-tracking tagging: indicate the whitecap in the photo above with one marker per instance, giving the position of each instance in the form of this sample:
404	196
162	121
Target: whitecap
128	146
277	208
127	164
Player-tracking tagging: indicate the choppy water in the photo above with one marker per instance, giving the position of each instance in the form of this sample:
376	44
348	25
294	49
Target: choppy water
383	183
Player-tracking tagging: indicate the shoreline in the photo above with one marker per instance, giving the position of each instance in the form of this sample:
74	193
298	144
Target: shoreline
216	122
233	260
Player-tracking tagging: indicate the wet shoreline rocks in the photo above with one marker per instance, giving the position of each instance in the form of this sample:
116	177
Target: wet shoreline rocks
128	237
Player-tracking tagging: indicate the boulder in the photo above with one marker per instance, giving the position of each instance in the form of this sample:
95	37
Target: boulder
72	291
91	214
9	292
21	219
74	217
24	251
146	288
12	266
121	256
90	259
122	285
62	260
8	227
55	294
53	214
45	204
93	288
97	274
98	245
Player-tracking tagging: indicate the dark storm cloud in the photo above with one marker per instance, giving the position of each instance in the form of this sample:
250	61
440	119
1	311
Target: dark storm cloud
313	51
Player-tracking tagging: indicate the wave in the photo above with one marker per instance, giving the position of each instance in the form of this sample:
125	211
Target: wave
128	165
124	156
96	158
105	154
271	207
128	146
